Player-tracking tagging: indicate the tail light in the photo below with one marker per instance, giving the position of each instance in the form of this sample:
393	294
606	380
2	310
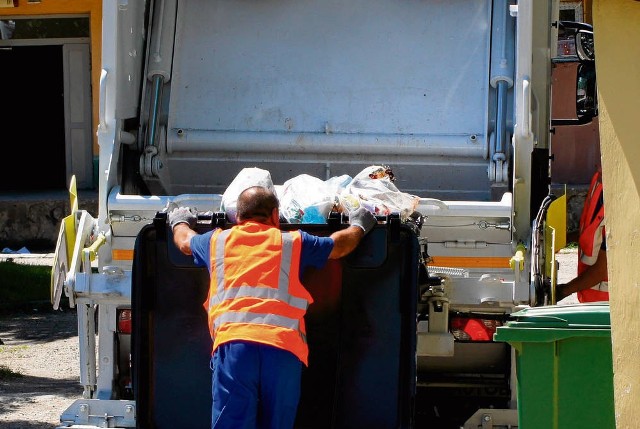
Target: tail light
124	321
473	329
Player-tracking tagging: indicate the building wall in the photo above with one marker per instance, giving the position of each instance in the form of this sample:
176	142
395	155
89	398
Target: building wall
91	8
617	31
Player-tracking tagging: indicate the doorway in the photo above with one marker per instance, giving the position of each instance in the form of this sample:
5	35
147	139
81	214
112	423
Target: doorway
45	113
32	119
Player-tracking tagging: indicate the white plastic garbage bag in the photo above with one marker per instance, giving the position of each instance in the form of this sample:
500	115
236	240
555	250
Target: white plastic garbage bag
307	199
246	178
337	184
373	188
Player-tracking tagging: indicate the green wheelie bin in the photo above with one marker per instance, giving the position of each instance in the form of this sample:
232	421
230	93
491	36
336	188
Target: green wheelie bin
564	366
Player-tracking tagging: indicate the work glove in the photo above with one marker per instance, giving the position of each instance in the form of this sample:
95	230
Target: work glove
183	215
363	218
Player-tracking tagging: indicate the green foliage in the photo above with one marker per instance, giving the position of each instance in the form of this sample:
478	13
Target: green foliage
6	373
13	349
21	284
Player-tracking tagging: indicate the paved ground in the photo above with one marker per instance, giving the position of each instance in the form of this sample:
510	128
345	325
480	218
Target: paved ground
39	363
567	270
39	368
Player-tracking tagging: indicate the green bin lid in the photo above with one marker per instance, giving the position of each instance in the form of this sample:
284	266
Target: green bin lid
556	321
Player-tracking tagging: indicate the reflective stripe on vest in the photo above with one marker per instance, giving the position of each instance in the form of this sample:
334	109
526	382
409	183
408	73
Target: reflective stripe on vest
259	292
256	318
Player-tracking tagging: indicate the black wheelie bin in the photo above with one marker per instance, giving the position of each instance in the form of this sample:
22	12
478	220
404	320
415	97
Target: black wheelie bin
360	330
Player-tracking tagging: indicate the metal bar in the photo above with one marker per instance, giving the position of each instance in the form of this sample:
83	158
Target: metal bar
322	143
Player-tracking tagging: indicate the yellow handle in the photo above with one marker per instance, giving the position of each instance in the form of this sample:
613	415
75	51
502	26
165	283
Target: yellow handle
518	257
93	249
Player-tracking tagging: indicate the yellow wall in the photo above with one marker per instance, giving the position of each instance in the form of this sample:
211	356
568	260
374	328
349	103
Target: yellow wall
617	32
92	8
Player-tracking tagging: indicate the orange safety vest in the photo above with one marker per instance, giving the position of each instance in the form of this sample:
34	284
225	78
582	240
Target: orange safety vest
591	235
255	293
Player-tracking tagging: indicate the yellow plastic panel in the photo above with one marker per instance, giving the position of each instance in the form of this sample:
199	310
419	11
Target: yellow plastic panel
555	237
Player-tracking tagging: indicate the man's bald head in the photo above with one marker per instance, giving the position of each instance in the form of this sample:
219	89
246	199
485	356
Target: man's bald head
256	203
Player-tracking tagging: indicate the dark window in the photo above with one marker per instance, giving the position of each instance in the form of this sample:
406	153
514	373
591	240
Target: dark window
32	119
568	15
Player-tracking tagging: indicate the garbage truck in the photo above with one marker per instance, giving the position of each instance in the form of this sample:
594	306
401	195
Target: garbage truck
453	96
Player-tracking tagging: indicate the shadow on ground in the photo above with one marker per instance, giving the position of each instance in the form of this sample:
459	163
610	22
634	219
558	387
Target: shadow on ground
41	325
24	424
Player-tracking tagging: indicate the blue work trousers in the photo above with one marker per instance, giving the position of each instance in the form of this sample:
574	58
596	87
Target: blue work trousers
254	386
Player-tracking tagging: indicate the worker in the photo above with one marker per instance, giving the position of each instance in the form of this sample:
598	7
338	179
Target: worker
591	283
256	305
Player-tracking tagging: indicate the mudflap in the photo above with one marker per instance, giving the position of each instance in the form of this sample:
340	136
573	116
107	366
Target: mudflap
360	330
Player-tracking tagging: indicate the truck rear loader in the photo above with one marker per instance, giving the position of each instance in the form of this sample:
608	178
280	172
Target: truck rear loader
453	95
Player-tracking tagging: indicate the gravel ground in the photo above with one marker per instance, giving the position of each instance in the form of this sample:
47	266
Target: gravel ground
567	270
42	346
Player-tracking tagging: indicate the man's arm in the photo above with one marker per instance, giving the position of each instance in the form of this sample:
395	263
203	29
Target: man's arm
182	234
182	220
590	277
346	240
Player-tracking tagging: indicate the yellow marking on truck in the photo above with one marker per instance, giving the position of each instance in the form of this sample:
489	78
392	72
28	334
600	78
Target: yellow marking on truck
470	261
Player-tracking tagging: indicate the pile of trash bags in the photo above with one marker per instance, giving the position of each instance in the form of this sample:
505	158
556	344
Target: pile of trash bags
308	199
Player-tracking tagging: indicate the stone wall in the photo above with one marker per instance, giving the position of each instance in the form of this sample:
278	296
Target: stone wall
32	220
